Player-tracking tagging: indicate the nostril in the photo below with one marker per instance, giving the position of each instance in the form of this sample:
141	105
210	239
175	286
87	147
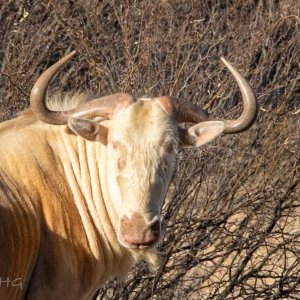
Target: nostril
152	233
155	228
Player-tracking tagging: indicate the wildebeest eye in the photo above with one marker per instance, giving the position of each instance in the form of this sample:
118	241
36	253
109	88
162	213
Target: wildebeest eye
115	145
121	163
119	154
170	147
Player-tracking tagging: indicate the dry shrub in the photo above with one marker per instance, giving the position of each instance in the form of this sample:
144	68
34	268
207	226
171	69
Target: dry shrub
232	215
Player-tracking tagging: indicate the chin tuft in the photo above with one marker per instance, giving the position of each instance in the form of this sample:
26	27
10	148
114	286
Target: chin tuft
150	256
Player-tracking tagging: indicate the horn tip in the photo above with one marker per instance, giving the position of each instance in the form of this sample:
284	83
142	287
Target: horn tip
71	54
224	60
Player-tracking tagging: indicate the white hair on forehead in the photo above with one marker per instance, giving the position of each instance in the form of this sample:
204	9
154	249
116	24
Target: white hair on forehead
147	131
64	102
149	153
145	99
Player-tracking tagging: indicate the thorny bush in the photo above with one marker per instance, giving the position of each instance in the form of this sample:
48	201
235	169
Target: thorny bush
232	215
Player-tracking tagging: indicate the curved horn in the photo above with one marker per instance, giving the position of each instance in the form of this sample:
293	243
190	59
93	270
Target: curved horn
182	111
250	105
38	93
188	112
99	107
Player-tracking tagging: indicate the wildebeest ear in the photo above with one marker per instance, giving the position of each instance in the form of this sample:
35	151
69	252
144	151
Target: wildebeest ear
201	133
89	130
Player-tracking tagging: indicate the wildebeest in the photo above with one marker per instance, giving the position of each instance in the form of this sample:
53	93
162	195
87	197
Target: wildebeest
82	185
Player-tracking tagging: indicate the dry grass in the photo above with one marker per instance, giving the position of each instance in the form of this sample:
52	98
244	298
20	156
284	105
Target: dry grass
232	217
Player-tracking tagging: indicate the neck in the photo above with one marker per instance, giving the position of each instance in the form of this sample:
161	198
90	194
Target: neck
85	168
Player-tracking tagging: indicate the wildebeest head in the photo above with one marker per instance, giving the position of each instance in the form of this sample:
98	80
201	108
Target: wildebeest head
142	138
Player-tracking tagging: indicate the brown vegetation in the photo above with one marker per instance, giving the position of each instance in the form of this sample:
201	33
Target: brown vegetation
232	216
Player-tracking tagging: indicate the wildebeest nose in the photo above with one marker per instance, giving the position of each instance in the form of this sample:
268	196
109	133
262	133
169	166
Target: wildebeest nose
136	231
